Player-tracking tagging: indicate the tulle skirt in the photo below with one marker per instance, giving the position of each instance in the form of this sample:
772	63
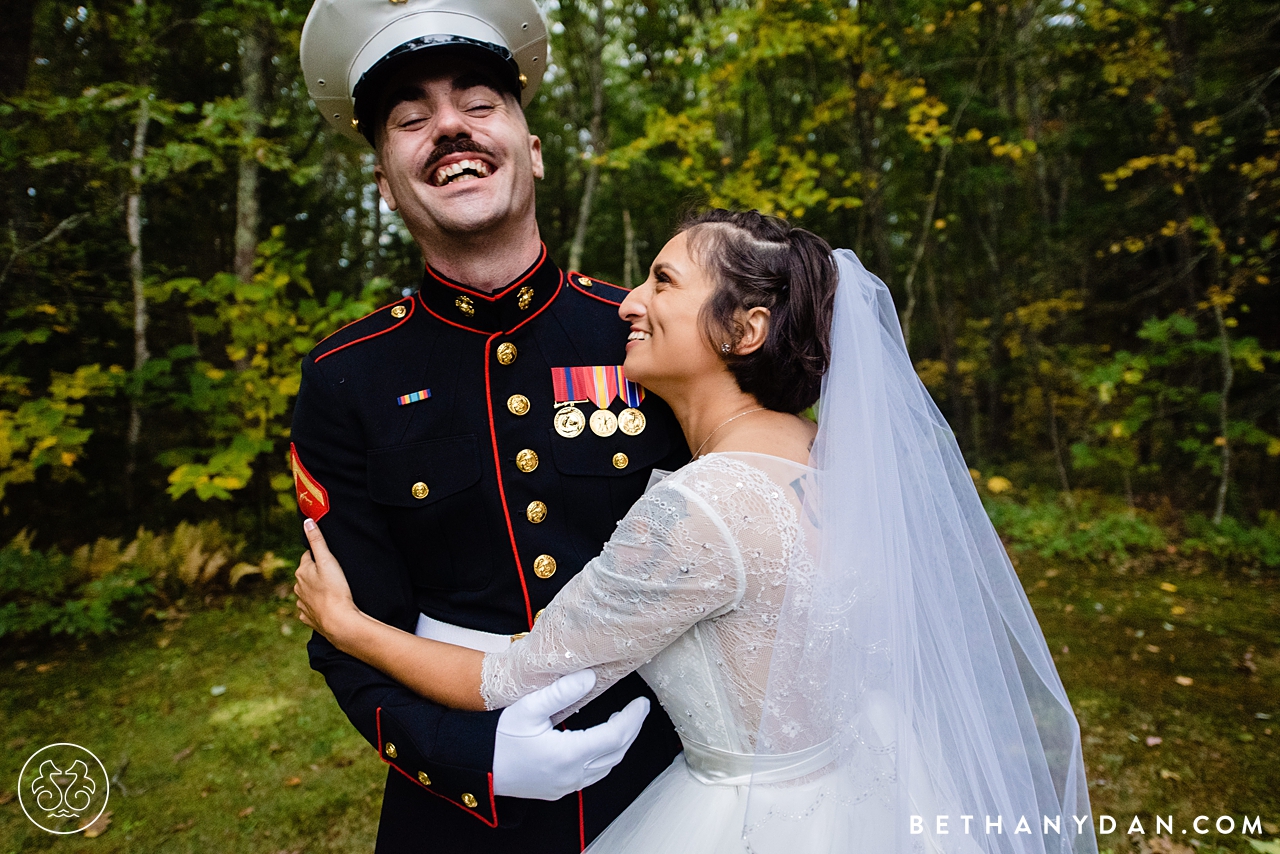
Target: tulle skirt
678	814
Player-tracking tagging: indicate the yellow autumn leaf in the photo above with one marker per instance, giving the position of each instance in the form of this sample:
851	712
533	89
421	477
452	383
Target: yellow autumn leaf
999	484
1167	587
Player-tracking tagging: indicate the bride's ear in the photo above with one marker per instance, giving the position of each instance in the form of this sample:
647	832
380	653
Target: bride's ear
754	325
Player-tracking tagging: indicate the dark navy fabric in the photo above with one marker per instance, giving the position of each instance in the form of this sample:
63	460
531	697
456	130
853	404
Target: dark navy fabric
464	553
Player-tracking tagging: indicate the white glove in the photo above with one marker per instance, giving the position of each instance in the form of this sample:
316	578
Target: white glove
532	759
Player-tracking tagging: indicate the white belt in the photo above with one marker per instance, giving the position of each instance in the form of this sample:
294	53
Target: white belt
717	767
459	636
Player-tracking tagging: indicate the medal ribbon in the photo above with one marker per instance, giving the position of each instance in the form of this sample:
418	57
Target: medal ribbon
599	384
630	392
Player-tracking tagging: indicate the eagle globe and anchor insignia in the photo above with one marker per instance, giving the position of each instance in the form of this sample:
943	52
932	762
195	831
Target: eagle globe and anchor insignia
63	788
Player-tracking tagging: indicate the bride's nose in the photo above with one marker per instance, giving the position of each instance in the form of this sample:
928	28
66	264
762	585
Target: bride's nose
632	308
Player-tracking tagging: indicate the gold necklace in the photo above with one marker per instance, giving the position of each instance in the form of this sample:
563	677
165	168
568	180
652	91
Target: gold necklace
724	422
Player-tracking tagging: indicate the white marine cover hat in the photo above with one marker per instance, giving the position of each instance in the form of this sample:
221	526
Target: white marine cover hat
350	47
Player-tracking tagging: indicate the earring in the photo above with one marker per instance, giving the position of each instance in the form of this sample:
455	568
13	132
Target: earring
725	348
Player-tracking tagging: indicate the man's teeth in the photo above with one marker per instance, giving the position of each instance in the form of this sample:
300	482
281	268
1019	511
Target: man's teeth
638	336
463	170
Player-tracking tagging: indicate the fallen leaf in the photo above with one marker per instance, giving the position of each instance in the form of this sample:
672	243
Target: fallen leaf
1168	588
245	813
1153	740
18	742
183	753
1067	609
1270	828
98	826
218	690
1166	774
293	781
315	767
6	797
1272	847
1184	681
47	666
1177	610
19	665
163	642
184	825
1152	648
286	629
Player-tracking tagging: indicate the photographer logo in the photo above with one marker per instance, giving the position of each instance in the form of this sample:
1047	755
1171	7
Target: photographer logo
63	788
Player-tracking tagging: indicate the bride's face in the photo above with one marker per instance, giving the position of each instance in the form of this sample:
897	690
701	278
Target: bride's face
667	344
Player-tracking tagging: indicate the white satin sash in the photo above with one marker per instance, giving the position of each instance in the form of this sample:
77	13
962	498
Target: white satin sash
716	767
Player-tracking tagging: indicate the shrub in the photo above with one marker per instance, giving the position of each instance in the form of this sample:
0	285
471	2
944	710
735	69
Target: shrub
1094	529
103	587
1235	544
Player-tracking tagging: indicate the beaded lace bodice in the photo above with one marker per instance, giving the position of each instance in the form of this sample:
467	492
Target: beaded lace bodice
687	591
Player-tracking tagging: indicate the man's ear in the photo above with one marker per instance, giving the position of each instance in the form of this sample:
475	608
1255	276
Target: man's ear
384	186
535	154
754	323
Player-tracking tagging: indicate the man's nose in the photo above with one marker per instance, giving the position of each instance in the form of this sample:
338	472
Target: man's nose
450	122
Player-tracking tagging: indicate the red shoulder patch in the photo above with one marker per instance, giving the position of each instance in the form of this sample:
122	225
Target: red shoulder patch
313	499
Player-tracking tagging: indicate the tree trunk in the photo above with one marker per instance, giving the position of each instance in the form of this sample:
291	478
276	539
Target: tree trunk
630	263
141	355
253	85
596	73
1228	377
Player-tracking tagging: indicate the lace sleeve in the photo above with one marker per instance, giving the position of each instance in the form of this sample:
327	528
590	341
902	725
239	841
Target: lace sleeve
670	563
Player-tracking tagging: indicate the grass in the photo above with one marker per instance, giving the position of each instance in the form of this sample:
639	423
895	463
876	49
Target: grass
272	765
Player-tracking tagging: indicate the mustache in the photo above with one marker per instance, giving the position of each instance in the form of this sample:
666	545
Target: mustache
454	146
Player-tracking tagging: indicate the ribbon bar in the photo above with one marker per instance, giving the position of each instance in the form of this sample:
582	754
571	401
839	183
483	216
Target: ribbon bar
599	384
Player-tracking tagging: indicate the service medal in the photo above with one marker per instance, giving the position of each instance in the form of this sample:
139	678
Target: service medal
570	421
631	421
604	423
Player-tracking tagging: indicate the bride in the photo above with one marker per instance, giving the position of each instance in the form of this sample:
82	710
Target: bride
824	611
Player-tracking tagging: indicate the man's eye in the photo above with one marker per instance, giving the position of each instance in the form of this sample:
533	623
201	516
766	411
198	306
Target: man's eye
480	108
411	121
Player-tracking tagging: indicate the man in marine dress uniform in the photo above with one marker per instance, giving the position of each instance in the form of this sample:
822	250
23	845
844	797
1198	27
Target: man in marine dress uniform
465	450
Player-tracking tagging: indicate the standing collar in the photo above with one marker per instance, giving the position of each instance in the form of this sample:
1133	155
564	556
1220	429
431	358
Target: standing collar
500	311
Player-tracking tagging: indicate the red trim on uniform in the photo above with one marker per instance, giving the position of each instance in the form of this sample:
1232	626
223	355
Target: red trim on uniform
396	325
313	498
493	804
587	293
496	295
428	310
502	492
582	823
545	306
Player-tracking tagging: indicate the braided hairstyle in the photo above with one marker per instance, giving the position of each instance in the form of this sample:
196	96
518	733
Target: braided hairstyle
758	260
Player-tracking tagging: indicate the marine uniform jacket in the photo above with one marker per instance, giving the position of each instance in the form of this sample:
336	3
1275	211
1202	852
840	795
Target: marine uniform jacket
424	447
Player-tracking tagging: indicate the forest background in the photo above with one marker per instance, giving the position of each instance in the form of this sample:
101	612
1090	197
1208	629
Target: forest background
1076	206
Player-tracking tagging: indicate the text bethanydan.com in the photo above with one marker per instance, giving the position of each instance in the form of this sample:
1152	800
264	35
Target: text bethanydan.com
942	825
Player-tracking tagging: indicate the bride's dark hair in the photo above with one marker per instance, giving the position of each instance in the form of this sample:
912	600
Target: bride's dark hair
758	260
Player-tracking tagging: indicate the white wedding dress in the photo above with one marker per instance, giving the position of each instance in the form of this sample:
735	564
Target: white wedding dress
688	591
846	651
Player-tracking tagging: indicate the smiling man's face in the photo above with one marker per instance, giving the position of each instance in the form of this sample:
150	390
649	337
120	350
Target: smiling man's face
455	156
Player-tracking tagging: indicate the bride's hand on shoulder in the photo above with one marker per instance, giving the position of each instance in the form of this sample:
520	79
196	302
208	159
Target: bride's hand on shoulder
324	597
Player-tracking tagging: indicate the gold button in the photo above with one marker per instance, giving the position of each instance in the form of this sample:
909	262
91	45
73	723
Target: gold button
469	799
535	512
518	404
399	312
390	750
524	81
620	461
423	778
524	298
506	353
420	490
544	566
465	306
527	460
541	611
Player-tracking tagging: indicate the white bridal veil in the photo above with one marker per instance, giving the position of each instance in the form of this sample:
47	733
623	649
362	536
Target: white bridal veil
911	658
